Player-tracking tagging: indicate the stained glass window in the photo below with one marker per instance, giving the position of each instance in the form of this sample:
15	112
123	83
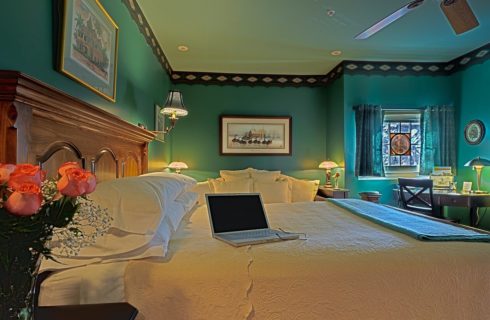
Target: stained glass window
401	144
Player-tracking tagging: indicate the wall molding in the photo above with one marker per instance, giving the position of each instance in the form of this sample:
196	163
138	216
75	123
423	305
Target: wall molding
349	67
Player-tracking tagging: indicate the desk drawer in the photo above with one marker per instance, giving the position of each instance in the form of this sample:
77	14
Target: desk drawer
452	201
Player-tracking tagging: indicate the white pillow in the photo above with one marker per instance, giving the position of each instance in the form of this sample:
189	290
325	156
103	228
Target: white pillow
265	176
303	190
230	175
201	188
234	186
134	204
182	180
177	209
273	192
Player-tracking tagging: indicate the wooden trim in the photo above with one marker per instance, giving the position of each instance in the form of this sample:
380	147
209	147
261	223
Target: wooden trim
26	103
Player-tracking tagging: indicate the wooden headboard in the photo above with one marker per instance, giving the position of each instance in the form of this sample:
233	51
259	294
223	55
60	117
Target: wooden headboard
42	125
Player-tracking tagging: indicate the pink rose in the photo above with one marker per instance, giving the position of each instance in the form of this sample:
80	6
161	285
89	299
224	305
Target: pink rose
26	173
76	182
5	171
25	200
67	165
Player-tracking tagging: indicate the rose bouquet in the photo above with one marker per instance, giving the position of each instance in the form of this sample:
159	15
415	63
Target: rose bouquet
38	215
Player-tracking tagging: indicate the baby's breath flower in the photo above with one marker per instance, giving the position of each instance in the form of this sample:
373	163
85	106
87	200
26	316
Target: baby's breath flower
89	222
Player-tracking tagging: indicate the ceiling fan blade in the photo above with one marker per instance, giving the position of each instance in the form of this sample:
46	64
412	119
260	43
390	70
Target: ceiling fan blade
459	15
378	26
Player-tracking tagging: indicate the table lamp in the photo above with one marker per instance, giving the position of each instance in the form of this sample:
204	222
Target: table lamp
328	165
178	166
478	163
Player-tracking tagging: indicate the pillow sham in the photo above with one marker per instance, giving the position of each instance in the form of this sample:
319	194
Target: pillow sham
265	176
177	209
185	182
134	203
234	186
303	190
230	175
273	192
201	188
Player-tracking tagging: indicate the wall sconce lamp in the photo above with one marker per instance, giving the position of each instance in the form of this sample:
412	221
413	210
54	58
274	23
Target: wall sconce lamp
328	166
178	166
174	108
478	163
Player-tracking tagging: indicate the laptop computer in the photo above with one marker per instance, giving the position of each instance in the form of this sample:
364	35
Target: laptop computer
239	219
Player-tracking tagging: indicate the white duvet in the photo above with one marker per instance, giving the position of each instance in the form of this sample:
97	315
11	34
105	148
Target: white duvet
347	268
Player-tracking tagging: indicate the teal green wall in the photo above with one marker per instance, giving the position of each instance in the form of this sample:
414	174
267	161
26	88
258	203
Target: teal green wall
195	139
334	138
389	92
475	104
28	46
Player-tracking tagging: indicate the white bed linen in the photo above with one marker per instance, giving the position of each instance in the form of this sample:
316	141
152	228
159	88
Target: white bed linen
348	268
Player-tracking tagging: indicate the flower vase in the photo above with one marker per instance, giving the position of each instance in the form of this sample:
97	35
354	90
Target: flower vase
336	183
19	267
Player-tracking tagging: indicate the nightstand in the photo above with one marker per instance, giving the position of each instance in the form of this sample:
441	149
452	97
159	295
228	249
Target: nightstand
105	311
333	193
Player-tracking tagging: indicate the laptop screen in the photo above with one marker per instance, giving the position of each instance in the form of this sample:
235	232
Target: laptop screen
236	212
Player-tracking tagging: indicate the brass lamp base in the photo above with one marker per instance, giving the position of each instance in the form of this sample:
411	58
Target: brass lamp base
480	192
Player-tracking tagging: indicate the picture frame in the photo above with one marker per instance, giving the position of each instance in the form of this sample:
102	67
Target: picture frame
255	135
466	187
474	132
88	46
159	124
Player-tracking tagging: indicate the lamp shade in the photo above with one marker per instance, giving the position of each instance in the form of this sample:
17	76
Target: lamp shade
478	162
175	104
178	165
328	165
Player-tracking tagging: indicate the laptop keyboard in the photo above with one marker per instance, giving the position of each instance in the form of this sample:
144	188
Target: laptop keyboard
251	234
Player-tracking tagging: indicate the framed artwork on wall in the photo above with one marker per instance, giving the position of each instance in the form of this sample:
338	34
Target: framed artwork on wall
159	124
474	132
255	135
88	46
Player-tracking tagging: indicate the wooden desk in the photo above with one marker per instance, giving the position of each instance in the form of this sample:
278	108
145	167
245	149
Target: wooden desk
452	199
106	311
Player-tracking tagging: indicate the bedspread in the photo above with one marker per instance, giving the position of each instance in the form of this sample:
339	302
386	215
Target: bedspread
347	268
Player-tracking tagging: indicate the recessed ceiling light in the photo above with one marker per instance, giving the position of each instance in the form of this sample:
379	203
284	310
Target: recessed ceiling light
336	53
330	12
183	48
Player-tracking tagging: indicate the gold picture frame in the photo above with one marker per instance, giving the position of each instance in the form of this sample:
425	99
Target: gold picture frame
88	46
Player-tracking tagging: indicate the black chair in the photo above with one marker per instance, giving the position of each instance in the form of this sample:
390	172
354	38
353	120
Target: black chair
413	196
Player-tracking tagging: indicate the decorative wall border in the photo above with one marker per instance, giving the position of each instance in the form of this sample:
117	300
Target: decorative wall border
145	29
476	56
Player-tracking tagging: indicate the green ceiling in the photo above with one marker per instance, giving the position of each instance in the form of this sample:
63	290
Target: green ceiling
297	36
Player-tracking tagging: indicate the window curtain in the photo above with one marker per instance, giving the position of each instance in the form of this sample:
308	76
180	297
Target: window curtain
439	139
369	126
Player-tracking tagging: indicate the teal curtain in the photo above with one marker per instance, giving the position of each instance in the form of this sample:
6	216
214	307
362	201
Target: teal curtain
438	139
369	126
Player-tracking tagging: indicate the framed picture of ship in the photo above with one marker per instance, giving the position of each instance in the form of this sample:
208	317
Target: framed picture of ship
88	46
255	135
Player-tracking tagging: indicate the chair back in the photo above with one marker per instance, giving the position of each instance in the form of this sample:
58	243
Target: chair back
414	197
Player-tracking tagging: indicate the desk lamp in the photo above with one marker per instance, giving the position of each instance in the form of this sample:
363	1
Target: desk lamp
177	166
478	163
328	166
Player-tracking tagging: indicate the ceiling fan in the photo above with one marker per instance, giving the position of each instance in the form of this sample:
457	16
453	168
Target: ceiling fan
458	13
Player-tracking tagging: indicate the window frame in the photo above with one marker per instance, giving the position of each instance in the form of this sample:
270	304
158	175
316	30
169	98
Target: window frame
402	115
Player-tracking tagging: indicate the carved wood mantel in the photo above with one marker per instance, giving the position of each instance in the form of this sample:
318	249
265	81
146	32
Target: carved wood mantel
34	116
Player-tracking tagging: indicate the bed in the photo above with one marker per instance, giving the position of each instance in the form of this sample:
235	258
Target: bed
343	268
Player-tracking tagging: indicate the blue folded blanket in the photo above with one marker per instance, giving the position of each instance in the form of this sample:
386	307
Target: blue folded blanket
418	227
